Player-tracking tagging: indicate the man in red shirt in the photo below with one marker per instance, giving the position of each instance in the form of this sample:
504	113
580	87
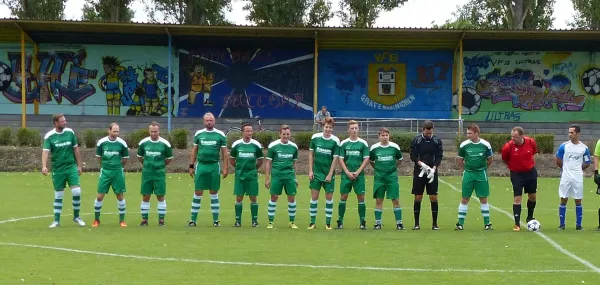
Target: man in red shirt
518	155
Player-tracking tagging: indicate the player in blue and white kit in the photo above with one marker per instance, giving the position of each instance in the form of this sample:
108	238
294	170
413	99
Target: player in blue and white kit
573	157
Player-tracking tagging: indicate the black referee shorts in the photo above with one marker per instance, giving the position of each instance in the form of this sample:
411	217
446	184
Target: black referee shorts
524	181
420	184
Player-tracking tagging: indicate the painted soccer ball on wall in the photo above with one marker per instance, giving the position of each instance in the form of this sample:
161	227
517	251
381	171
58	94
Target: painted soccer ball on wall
470	103
5	76
590	79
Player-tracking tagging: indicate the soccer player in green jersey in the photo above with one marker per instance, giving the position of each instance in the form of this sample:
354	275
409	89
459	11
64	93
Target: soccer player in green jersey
322	158
246	156
385	157
475	155
597	175
61	142
112	153
353	158
209	145
281	162
155	153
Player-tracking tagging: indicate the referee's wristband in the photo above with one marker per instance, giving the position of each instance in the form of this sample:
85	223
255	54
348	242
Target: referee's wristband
191	165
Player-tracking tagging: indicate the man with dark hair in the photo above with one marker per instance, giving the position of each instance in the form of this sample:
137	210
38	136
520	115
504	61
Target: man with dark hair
573	157
518	154
426	152
247	157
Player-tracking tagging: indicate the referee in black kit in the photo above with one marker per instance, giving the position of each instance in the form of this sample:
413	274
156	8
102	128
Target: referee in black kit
427	153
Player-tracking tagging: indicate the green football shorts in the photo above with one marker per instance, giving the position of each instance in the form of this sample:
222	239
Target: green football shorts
357	184
207	176
389	190
154	183
111	177
277	186
477	181
317	184
60	180
248	187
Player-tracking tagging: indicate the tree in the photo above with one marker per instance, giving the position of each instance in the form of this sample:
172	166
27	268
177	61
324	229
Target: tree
107	10
36	9
506	14
587	14
289	13
364	13
189	12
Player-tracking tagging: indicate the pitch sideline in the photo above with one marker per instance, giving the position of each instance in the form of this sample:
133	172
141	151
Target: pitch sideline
262	264
540	234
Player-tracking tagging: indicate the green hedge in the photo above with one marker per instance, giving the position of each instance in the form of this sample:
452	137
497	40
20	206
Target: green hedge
29	137
302	139
134	137
6	136
265	138
545	142
91	137
402	139
180	138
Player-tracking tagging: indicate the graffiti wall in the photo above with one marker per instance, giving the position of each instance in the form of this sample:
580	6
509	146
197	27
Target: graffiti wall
529	87
386	84
246	82
88	80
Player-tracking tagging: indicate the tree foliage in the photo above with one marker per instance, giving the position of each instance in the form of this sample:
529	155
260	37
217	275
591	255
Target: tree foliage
587	14
288	13
36	9
189	12
364	13
108	10
504	14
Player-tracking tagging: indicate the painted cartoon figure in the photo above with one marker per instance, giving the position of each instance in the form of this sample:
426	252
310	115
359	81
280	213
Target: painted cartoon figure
136	107
110	83
201	83
151	89
163	108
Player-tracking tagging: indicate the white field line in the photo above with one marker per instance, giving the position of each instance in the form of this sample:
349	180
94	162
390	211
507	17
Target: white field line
288	265
540	234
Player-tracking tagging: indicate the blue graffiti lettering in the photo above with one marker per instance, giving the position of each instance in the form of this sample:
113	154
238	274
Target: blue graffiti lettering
48	78
473	64
162	73
503	116
130	83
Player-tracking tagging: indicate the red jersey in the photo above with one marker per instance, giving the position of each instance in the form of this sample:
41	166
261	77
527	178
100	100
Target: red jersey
520	157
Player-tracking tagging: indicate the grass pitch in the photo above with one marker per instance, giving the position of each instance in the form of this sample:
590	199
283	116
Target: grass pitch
31	253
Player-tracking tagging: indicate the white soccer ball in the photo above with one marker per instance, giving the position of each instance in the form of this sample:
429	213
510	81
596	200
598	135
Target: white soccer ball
591	81
533	226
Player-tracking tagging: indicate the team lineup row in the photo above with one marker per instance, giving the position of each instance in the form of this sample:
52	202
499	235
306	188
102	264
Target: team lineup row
325	153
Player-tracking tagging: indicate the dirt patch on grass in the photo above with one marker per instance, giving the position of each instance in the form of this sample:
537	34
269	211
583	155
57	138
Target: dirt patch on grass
25	159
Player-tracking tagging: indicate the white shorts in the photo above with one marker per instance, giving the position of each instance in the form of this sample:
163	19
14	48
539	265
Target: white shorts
570	189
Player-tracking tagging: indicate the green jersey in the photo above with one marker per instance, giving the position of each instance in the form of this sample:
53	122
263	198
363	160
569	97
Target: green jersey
475	155
209	145
155	154
246	154
324	151
282	157
61	146
112	152
597	149
385	157
354	153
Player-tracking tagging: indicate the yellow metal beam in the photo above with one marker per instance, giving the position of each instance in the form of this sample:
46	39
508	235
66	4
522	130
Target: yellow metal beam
316	75
23	31
23	84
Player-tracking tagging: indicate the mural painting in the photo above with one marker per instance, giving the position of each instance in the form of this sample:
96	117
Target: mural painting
246	83
386	84
529	86
87	80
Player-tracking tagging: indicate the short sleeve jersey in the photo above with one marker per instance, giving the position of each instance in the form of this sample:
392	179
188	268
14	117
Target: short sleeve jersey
61	145
155	154
354	153
324	151
246	154
282	157
111	152
385	157
574	156
475	155
209	145
597	149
